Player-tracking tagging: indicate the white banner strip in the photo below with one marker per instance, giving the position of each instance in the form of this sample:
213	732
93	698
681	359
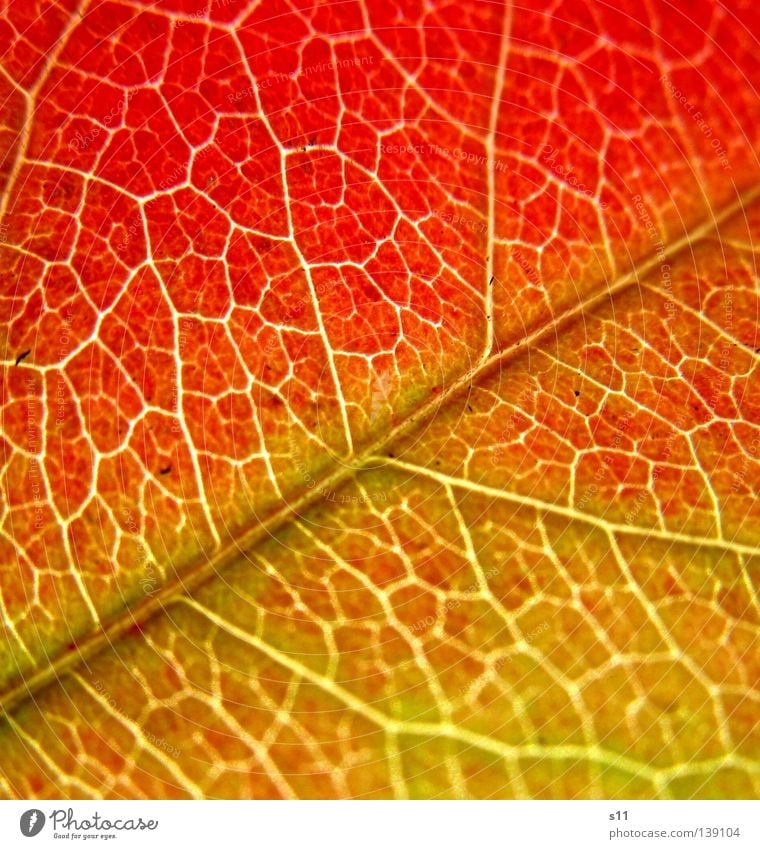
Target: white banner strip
381	825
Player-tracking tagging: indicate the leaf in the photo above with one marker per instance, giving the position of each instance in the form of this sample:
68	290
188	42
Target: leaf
379	402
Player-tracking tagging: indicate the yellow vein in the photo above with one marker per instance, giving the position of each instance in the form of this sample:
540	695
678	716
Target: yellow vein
567	512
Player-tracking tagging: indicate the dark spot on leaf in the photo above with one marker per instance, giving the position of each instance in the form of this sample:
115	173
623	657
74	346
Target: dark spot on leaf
23	355
577	393
165	470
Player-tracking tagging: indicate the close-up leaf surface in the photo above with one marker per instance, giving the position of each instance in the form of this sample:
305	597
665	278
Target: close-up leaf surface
380	400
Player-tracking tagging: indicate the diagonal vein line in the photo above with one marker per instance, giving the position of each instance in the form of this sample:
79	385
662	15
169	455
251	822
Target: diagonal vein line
231	551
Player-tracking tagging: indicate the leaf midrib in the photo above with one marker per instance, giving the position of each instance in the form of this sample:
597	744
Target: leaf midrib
195	576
